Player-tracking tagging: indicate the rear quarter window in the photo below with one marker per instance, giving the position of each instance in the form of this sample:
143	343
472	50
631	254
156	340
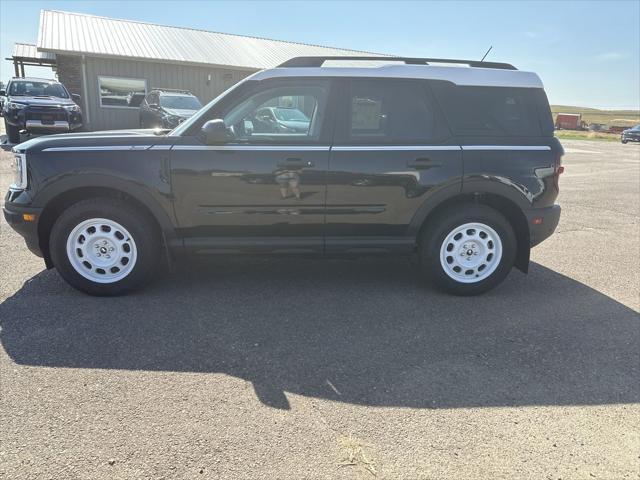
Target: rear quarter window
494	111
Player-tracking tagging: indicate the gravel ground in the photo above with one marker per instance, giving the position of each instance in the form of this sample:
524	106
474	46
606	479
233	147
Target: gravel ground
268	369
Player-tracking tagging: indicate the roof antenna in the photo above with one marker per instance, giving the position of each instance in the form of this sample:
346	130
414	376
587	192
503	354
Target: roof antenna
485	55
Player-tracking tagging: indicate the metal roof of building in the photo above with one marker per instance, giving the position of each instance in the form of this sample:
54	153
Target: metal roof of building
74	33
29	51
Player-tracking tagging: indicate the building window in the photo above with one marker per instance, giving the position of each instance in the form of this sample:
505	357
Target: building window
118	92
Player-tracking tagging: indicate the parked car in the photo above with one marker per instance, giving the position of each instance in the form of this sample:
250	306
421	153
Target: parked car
456	167
166	108
39	105
280	120
630	135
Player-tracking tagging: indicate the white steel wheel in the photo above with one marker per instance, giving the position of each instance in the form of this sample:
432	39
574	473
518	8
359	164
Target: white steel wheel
471	252
101	250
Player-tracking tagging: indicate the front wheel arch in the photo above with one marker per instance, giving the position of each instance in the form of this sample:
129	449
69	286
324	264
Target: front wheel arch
58	204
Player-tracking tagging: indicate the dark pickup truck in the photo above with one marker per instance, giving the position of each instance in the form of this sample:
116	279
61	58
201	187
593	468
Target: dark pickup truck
456	167
39	106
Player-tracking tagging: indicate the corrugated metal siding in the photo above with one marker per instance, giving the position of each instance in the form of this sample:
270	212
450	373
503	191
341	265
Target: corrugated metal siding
27	50
192	78
76	33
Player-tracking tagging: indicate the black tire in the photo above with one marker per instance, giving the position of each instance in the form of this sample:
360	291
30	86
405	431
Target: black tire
624	142
436	232
140	227
13	132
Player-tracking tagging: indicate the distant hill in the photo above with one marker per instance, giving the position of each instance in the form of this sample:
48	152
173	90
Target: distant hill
594	115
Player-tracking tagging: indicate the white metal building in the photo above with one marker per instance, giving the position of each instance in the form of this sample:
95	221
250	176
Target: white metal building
111	63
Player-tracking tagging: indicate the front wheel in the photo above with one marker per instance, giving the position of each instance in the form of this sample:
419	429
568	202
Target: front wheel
624	142
102	246
468	250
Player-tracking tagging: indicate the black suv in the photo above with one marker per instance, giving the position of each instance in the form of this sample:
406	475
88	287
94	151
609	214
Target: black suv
455	166
39	106
166	108
630	135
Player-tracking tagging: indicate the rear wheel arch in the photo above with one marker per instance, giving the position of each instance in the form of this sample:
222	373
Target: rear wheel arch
511	211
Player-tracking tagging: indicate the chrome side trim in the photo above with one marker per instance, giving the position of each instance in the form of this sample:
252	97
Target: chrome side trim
160	147
97	148
373	148
507	147
261	148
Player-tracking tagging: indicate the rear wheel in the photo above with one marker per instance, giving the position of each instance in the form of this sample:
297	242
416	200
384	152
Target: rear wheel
101	246
624	141
468	250
13	132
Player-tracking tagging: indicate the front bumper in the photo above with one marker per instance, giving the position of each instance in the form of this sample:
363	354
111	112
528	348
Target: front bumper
66	121
630	138
28	230
542	223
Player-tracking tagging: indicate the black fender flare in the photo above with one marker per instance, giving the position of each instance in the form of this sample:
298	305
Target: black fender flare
153	201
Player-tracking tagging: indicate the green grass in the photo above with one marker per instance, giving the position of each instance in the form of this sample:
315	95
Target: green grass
594	115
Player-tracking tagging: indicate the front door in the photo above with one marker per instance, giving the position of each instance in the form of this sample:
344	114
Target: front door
263	190
391	153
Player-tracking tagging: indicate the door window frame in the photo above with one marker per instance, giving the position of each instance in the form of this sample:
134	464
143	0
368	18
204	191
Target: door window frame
250	88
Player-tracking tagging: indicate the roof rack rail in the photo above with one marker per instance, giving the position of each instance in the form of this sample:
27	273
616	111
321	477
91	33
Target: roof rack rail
319	61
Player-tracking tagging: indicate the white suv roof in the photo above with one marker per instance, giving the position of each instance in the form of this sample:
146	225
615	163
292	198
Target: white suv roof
473	74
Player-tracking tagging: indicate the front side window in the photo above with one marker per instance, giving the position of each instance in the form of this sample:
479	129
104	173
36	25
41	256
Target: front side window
288	113
37	89
390	111
121	92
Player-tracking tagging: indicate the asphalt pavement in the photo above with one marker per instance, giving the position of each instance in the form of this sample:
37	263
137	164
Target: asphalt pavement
338	369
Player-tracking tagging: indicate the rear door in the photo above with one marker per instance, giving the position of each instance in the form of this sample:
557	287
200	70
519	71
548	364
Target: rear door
390	153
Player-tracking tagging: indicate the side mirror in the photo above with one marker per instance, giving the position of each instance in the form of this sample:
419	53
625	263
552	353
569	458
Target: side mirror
214	131
3	93
76	98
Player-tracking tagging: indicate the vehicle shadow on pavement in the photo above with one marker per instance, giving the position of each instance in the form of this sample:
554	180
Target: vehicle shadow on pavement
365	332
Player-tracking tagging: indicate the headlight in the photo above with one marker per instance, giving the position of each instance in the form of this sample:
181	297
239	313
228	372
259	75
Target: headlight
19	171
72	108
171	119
15	106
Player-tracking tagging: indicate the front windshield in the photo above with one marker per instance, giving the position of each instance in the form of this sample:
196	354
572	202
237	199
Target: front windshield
636	128
37	89
184	126
290	115
180	102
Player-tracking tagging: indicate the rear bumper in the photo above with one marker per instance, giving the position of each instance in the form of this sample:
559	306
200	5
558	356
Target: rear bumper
28	230
541	230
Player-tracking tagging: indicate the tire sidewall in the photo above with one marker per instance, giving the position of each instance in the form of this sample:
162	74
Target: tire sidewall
444	224
138	226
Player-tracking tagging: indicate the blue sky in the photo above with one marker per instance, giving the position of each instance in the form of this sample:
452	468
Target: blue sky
587	53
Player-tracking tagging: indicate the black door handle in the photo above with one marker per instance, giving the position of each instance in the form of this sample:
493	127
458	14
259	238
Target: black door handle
423	162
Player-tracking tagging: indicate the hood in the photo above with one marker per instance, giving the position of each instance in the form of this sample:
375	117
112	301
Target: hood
149	136
53	101
180	112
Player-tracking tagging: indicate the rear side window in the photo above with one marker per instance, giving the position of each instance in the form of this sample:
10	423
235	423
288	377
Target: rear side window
390	111
491	111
